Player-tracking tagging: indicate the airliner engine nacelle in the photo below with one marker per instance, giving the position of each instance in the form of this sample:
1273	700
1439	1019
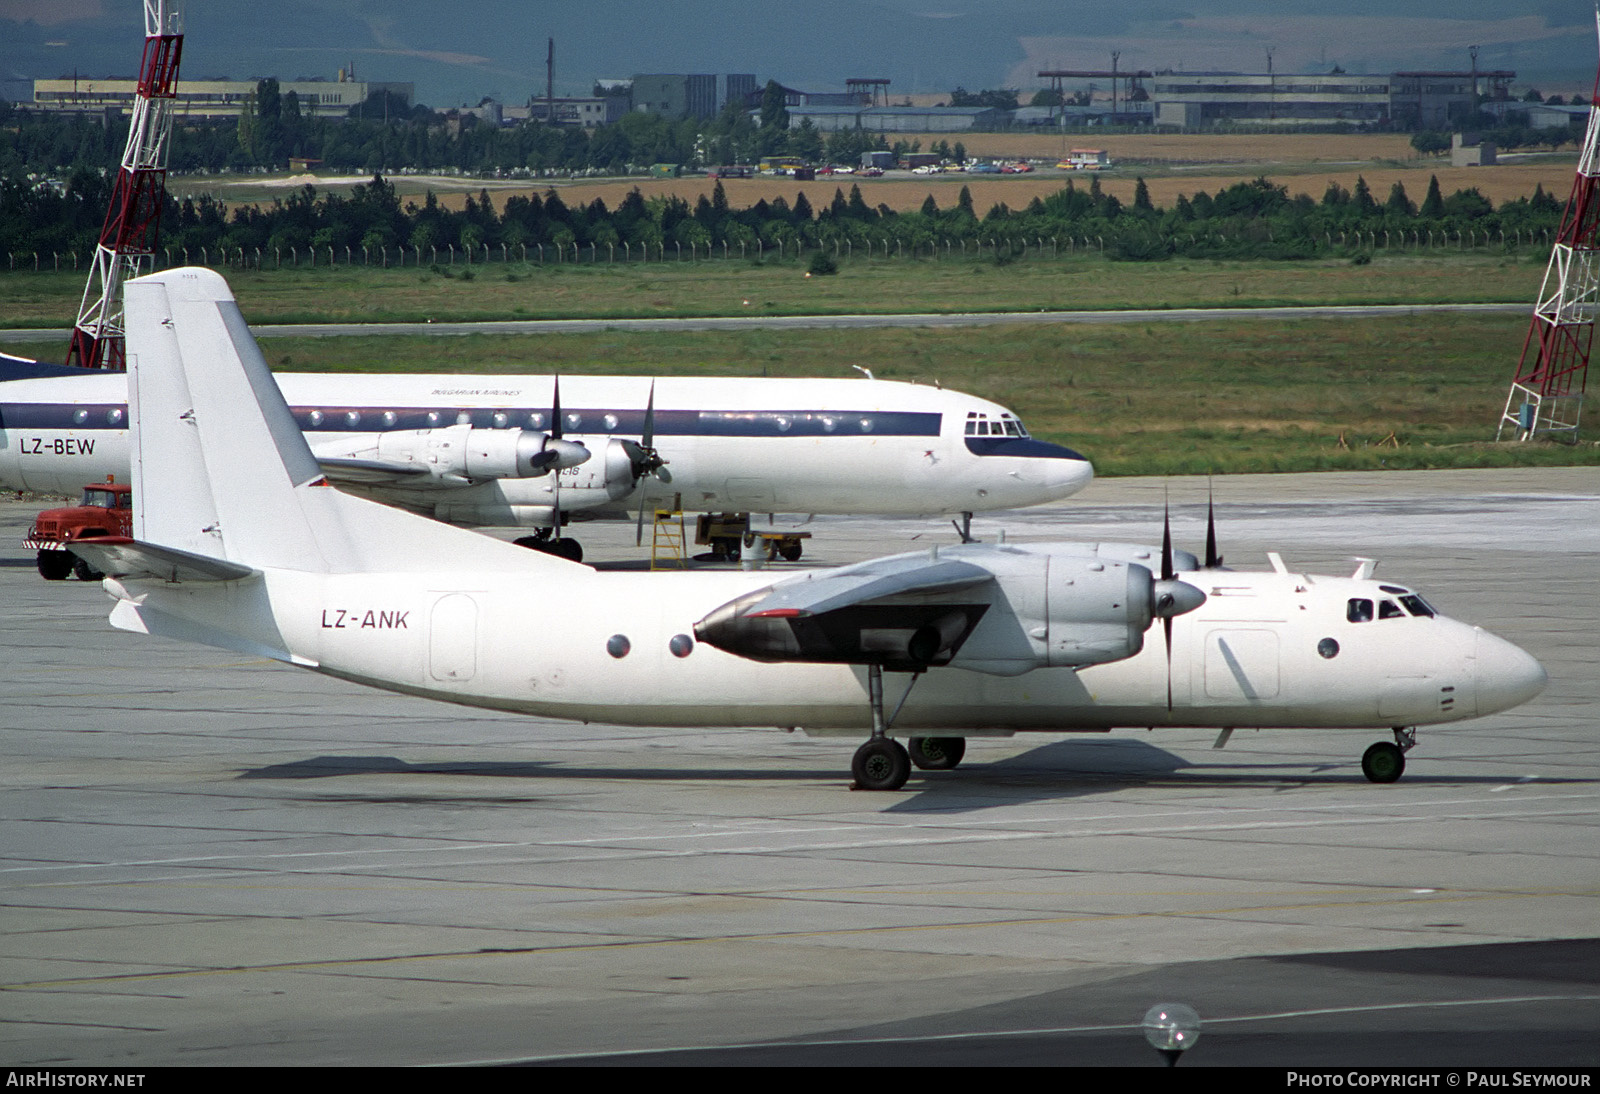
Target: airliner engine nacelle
462	452
993	609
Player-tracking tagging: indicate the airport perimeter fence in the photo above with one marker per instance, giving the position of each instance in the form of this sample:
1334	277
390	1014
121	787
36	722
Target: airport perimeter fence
1132	245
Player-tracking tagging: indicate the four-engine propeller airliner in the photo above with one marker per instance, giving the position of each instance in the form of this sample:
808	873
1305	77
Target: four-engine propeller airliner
531	451
240	542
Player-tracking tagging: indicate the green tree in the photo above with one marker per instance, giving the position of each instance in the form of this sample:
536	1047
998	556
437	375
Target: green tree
1433	204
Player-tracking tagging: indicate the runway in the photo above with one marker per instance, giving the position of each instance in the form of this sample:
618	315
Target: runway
208	859
832	322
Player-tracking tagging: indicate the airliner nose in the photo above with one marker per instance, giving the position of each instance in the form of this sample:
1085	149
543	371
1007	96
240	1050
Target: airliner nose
1508	676
1067	471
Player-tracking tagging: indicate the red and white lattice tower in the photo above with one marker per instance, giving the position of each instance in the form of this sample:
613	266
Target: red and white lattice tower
1547	392
128	240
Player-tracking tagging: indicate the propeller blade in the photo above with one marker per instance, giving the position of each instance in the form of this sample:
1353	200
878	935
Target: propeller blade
1167	572
648	440
1166	627
555	410
638	531
1213	560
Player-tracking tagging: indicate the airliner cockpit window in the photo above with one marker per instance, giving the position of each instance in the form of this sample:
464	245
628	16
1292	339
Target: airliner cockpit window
1417	606
1388	609
1359	610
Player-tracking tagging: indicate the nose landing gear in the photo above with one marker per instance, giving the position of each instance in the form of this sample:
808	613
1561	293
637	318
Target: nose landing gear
1384	762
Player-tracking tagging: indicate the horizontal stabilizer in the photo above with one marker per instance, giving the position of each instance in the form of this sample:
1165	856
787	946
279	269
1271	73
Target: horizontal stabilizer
121	557
867	583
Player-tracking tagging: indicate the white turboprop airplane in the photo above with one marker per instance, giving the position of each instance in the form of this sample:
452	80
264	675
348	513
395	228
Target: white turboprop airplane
239	542
479	450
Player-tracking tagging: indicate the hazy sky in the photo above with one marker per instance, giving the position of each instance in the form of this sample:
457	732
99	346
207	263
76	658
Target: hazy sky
459	52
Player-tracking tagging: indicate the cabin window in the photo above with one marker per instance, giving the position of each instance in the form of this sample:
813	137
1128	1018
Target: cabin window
314	419
1359	610
352	418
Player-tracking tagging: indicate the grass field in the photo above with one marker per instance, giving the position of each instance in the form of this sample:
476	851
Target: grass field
1157	398
734	287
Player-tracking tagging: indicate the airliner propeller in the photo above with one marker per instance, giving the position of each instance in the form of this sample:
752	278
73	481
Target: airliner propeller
1213	560
645	460
1173	597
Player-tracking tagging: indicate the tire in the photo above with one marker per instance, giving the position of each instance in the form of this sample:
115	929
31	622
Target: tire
1383	763
881	764
937	753
790	553
569	549
55	565
85	572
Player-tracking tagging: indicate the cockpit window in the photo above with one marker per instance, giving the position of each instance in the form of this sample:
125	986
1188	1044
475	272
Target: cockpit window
1388	609
1359	610
1417	606
1006	425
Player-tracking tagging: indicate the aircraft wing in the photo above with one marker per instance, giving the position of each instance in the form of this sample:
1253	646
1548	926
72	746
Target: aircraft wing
866	584
354	472
119	556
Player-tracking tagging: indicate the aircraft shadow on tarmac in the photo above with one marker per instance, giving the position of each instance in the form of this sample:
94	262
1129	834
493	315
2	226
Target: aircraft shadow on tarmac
1054	771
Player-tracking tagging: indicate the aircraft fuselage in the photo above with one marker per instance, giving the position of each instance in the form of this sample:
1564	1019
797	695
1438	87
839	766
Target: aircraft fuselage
749	445
1267	649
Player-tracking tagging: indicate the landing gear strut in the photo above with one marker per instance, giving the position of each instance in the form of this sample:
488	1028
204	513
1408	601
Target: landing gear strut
883	763
1385	762
964	528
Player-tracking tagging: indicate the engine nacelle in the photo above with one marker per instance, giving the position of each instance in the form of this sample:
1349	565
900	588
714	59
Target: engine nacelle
1065	611
462	452
1044	607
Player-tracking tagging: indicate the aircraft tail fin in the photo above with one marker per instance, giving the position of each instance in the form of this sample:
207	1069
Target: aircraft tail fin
221	469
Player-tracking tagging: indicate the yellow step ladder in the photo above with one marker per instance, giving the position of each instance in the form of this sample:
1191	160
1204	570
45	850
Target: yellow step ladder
667	538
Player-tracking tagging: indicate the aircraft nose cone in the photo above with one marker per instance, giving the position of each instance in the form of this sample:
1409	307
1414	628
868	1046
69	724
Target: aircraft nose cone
1065	471
1508	676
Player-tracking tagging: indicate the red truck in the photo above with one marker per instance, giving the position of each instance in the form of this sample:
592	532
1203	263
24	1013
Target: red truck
106	510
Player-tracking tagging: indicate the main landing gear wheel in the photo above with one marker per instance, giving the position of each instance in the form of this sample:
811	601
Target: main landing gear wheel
569	549
1383	763
881	764
86	572
937	753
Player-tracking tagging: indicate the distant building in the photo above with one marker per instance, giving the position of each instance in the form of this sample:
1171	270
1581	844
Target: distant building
899	119
675	96
205	99
1470	150
1414	100
1195	99
738	87
586	112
